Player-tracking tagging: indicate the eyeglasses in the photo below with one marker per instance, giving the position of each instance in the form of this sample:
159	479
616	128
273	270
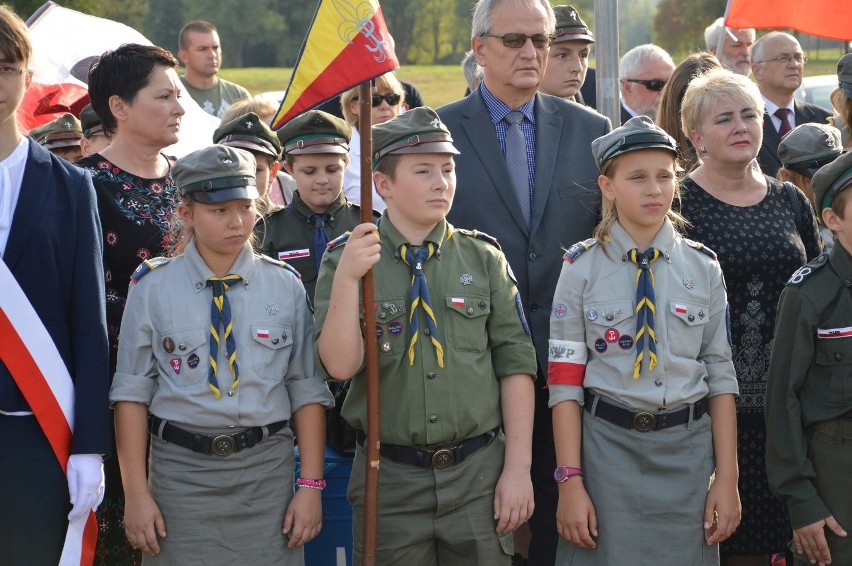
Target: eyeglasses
518	40
8	72
799	58
655	85
392	98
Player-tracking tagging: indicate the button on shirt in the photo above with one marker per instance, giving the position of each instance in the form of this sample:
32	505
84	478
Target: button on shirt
594	307
478	326
498	110
11	177
163	353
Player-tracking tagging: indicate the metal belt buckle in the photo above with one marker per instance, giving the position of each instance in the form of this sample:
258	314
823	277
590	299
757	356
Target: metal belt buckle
644	422
224	445
442	458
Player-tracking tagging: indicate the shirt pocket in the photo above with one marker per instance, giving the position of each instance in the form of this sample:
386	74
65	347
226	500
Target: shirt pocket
466	319
183	356
610	327
271	346
686	323
834	357
392	327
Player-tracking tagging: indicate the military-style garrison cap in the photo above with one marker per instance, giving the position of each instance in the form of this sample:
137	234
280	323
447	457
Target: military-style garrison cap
844	74
90	122
830	180
315	131
419	130
65	131
570	26
249	132
217	173
639	132
809	146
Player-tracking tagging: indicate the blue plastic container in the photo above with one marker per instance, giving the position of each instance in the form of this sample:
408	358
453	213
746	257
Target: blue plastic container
333	546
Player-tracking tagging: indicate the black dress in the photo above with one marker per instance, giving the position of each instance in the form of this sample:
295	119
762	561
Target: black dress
135	215
759	247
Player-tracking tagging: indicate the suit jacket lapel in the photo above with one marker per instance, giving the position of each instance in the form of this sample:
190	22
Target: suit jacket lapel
771	139
27	215
548	131
483	139
803	113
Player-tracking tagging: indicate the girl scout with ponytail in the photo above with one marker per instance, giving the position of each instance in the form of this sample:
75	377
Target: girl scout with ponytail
215	362
640	375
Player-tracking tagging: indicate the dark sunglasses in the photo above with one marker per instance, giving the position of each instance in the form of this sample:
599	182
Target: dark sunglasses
392	98
517	40
651	84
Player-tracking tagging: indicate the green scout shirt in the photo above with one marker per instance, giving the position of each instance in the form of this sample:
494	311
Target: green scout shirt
474	299
288	234
809	377
216	99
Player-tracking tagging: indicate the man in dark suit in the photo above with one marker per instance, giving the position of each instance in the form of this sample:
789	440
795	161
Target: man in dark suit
643	72
778	65
51	251
563	204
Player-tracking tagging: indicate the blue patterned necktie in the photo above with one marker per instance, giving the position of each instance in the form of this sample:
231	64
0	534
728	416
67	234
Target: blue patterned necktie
320	236
415	258
516	161
220	316
645	307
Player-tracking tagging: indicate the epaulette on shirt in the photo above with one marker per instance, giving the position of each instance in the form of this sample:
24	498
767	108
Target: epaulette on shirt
479	236
578	249
806	271
337	242
701	248
147	266
283	264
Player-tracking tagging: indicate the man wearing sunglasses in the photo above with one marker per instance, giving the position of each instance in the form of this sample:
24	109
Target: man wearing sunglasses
644	71
778	64
526	175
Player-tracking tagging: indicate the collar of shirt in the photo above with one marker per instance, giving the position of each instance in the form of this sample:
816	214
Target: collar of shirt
11	179
663	241
497	109
199	273
841	261
771	107
391	238
630	111
299	207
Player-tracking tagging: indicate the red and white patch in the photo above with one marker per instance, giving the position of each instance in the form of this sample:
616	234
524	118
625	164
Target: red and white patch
457	302
611	335
680	309
833	333
293	254
262	333
566	362
176	363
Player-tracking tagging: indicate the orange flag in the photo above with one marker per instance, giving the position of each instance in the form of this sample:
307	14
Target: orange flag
823	18
347	44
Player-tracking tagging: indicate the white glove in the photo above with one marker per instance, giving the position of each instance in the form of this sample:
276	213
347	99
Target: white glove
85	483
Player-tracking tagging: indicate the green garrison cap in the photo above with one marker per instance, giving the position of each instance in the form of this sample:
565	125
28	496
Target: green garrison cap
570	26
639	132
90	122
217	173
830	180
809	146
62	132
419	130
249	132
315	131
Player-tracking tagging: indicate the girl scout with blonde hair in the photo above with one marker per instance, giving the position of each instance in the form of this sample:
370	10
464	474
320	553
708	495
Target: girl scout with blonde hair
640	375
214	363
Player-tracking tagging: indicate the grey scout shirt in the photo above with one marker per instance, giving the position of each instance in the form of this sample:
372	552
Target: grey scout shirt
272	326
593	325
809	377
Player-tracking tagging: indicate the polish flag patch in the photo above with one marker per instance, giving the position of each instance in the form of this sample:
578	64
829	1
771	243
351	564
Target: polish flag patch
262	333
457	302
834	333
292	254
680	309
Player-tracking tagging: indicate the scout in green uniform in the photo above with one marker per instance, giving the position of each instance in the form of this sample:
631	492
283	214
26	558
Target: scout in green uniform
250	133
94	140
455	362
61	137
316	152
809	389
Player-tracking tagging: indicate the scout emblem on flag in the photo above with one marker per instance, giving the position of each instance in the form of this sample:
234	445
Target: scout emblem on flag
347	44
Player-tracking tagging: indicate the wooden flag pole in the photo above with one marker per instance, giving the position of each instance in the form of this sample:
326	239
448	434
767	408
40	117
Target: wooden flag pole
371	346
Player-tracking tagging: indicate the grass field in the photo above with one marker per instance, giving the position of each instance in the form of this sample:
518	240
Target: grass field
439	84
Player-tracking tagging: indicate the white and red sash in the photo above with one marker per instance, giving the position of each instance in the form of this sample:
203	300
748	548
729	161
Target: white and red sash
31	357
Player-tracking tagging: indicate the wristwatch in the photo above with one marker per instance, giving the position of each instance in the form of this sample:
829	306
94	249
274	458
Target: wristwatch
562	473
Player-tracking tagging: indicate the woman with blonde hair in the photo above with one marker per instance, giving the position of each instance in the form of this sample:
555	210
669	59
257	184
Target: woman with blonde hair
762	232
387	100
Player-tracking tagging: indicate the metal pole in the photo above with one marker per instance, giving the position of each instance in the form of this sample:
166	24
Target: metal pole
606	60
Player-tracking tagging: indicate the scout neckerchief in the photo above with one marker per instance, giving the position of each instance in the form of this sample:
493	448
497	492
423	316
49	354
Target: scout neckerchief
415	258
645	307
220	314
